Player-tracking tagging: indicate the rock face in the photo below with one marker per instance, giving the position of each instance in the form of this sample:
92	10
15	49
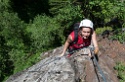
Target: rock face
51	69
77	68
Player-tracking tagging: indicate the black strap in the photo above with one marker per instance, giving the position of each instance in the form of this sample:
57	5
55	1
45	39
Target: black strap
75	36
76	27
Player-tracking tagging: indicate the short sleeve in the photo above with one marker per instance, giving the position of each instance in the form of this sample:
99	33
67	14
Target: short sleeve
72	35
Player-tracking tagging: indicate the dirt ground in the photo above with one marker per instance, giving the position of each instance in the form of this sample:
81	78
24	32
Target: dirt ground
112	48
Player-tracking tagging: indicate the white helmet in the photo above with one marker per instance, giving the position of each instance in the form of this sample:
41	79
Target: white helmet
86	23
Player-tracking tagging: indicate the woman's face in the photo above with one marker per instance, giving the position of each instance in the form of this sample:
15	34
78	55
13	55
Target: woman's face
85	32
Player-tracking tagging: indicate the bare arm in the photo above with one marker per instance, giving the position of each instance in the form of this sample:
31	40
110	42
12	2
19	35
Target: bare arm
94	40
68	41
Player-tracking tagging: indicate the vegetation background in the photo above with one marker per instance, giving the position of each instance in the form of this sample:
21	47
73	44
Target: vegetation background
30	27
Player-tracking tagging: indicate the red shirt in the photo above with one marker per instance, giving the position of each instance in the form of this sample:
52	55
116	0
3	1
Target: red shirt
80	43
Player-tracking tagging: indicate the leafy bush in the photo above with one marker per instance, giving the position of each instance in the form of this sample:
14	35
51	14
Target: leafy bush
120	67
4	5
101	30
12	32
6	65
47	32
43	33
118	35
67	17
101	12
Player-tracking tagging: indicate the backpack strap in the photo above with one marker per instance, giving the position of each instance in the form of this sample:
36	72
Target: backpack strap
76	27
75	36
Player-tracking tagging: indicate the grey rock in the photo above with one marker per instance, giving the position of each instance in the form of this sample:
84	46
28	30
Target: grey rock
77	68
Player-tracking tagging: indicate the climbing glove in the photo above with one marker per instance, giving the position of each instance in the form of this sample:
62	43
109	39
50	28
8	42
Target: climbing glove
96	51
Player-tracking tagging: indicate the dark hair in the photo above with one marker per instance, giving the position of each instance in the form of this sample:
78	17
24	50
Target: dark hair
86	27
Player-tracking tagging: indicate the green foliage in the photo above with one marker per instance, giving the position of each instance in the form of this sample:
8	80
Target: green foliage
4	5
101	30
12	32
103	8
67	17
55	5
70	12
5	62
6	65
120	11
21	44
102	11
120	67
47	32
27	10
44	31
23	60
63	9
120	36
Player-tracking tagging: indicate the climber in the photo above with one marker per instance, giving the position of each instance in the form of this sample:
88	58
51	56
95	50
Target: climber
86	33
